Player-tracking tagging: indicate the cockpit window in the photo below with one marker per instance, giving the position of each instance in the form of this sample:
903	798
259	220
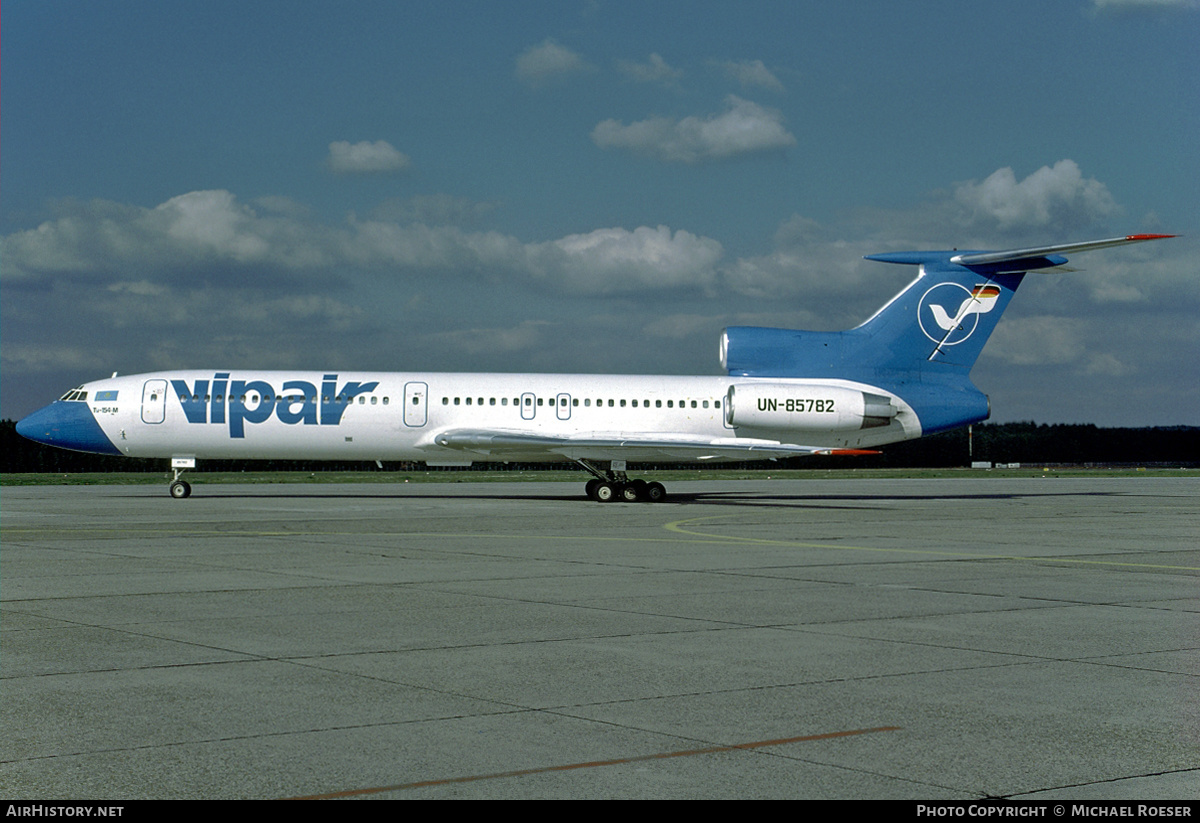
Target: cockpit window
75	394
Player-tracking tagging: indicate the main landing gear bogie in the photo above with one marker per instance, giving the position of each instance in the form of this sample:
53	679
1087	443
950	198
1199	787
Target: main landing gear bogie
605	490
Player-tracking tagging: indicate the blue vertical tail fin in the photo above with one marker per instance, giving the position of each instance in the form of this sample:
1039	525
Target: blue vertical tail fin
940	322
957	299
928	336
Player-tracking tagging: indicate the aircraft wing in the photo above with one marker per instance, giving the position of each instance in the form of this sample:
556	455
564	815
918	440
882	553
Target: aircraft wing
501	444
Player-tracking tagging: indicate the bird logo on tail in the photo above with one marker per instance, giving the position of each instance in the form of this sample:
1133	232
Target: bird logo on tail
956	327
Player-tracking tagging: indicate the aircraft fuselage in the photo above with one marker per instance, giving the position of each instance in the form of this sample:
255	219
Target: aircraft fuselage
398	416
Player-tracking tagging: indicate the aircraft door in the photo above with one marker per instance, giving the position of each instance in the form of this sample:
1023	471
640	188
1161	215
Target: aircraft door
563	407
154	401
416	396
528	405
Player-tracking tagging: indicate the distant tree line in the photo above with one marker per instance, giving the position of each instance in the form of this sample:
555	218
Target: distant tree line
1025	443
1032	443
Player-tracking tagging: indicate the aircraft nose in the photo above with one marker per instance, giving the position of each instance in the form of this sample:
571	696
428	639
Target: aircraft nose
67	425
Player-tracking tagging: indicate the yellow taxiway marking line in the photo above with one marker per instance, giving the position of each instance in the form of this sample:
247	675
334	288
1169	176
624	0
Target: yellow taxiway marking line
677	526
758	744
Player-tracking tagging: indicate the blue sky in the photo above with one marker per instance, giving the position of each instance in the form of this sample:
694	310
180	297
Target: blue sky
590	186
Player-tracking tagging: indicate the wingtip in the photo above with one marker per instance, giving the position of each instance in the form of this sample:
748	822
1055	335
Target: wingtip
1135	237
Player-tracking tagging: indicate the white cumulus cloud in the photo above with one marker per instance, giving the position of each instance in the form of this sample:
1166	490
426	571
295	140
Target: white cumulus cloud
751	74
207	230
743	128
616	260
223	242
655	70
1052	197
548	62
366	157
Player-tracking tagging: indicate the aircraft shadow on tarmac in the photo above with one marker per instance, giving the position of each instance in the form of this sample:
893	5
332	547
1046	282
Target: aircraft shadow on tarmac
719	498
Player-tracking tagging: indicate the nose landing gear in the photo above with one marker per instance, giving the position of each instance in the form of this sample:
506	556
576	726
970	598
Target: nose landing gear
179	488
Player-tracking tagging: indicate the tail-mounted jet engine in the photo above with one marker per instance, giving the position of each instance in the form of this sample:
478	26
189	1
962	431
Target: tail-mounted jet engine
805	406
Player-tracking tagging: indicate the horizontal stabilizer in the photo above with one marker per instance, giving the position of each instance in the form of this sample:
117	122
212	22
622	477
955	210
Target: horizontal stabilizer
1042	252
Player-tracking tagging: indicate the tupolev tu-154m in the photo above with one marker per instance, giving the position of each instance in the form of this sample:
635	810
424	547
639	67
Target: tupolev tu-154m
902	374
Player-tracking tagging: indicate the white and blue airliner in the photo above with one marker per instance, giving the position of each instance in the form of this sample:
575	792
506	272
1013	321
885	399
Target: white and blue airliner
902	374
